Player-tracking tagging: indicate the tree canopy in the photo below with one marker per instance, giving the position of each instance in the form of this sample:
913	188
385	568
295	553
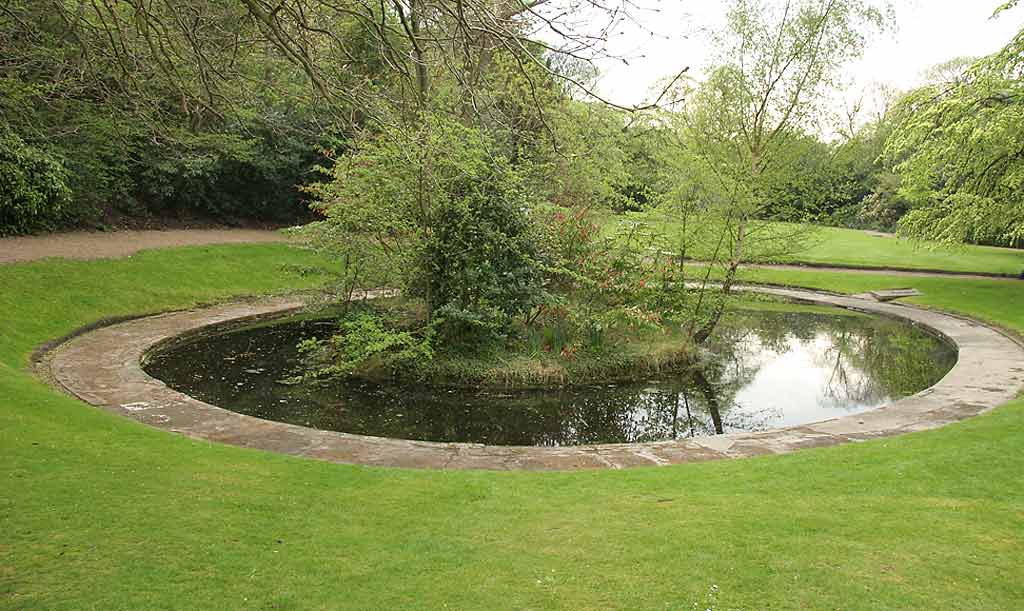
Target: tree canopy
958	147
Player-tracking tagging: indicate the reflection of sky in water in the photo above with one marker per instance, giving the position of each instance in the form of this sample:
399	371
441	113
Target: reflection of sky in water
801	384
765	370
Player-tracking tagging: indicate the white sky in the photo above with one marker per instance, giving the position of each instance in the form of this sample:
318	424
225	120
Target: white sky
672	35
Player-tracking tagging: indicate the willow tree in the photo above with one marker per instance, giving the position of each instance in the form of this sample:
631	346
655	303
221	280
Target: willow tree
958	147
775	66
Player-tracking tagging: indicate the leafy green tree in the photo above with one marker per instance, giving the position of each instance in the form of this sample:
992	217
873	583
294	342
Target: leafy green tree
440	214
775	65
218	106
800	185
959	149
585	158
884	206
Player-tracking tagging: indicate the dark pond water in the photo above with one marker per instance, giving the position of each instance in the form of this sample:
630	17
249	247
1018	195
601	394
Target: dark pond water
765	369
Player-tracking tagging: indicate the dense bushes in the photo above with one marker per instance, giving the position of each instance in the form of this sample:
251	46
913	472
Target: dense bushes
205	175
34	191
223	176
444	214
105	118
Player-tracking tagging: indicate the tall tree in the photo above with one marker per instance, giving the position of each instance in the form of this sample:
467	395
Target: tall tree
775	65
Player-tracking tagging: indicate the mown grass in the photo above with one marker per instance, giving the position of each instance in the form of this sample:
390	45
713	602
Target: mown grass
99	512
851	247
833	245
999	301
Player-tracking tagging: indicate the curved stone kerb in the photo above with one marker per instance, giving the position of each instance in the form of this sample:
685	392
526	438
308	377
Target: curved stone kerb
103	368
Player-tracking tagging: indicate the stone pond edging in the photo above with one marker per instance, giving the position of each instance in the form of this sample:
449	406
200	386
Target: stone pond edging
103	368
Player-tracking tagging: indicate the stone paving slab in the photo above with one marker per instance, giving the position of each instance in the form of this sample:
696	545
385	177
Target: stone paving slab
103	367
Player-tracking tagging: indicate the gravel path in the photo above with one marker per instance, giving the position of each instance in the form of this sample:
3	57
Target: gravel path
102	245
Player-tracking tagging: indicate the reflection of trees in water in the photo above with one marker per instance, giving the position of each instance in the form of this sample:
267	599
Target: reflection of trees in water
902	359
719	402
846	381
869	359
686	406
883	359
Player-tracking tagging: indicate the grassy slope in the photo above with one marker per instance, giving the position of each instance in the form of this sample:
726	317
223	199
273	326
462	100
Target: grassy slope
833	245
830	245
100	512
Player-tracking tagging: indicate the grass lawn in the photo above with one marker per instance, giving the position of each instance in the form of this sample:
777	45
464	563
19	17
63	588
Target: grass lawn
833	245
851	247
99	512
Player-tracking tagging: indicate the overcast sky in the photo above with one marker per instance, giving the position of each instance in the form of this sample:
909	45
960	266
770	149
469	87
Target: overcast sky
672	34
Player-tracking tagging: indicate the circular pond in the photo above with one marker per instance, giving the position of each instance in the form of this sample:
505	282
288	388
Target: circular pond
775	366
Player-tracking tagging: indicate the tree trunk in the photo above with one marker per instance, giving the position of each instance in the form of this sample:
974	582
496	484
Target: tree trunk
422	77
708	328
708	391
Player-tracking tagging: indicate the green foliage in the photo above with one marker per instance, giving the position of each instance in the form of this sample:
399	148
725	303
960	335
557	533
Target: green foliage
481	250
34	191
745	122
223	175
1005	7
773	67
469	330
801	183
645	179
958	150
175	109
366	341
571	247
585	293
884	206
555	331
586	158
620	284
445	213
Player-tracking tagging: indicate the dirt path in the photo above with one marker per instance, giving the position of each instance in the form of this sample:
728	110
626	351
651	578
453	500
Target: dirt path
101	245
